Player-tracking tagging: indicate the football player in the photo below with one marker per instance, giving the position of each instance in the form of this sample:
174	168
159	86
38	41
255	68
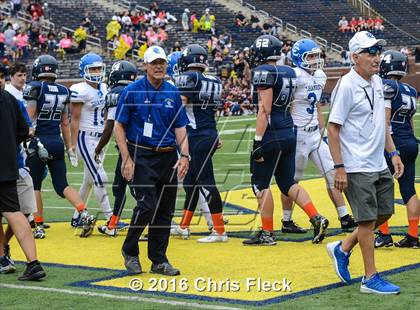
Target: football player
401	107
87	125
201	95
307	117
48	109
122	73
171	71
274	147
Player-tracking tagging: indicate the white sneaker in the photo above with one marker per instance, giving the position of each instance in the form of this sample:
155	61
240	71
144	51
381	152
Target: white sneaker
214	237
178	231
106	231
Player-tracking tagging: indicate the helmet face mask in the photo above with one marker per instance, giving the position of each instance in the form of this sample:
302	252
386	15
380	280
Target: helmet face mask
92	75
312	60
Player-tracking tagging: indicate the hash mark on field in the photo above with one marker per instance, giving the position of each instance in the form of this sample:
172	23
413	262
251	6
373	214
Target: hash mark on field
121	297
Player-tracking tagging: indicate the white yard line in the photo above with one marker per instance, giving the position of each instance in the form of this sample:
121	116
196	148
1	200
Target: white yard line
121	297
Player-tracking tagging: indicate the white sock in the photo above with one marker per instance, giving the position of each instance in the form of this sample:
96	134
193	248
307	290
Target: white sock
342	211
204	207
287	215
342	251
76	214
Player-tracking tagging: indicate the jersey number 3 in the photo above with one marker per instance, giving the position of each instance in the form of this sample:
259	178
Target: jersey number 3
312	101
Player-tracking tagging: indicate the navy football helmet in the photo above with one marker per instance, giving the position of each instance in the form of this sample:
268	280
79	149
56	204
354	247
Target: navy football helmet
265	47
122	72
193	56
393	63
45	66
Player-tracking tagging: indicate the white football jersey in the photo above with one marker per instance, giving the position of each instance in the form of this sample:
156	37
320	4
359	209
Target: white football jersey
92	114
306	97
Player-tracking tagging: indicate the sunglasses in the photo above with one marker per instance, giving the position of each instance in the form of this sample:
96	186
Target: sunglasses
373	50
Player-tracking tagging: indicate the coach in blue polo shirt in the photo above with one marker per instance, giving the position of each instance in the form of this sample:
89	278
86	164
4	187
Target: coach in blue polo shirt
150	126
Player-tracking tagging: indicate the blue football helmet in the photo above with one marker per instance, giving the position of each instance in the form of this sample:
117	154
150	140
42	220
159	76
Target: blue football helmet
88	62
393	63
173	66
306	54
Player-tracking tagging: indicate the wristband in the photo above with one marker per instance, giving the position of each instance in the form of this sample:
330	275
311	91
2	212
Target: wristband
338	166
258	138
186	156
393	153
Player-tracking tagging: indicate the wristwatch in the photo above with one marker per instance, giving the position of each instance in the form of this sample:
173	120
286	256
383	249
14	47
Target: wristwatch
186	156
393	153
336	166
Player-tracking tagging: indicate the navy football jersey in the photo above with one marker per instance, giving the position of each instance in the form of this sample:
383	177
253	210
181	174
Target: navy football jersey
52	100
111	99
204	95
403	107
282	79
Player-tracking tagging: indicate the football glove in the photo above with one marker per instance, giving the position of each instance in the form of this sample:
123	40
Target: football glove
73	157
257	153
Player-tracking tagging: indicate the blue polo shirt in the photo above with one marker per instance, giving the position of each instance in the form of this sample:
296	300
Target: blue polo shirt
140	102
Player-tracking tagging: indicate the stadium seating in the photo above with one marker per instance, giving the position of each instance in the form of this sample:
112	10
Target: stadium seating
320	17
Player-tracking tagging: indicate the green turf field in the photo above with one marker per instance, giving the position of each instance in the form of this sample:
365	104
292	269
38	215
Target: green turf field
231	165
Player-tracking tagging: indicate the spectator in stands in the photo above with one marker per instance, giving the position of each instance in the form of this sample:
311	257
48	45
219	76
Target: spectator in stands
9	34
80	37
417	54
269	27
353	24
194	22
2	46
21	41
52	44
185	20
154	8
170	17
88	24
207	22
113	29
370	24
254	20
136	20
405	51
66	45
240	19
35	9
16	6
361	24
162	35
152	36
176	47
343	24
126	20
379	24
42	42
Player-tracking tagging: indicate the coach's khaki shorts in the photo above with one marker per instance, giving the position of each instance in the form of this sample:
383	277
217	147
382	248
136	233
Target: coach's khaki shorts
26	194
370	194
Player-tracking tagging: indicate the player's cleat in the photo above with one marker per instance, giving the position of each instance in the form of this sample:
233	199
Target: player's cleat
263	238
33	272
320	224
340	261
347	222
6	250
122	225
290	227
6	266
87	223
165	269
383	240
214	237
106	231
408	242
377	285
132	263
178	231
75	221
39	232
45	225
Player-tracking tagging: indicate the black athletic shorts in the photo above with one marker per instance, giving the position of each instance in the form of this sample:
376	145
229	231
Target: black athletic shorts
8	197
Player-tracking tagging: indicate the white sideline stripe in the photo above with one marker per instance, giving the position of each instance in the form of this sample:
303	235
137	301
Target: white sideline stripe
235	131
122	297
237	120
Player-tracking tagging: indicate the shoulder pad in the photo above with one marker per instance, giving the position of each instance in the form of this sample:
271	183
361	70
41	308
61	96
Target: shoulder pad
111	99
320	77
264	76
78	93
186	81
286	72
32	90
390	89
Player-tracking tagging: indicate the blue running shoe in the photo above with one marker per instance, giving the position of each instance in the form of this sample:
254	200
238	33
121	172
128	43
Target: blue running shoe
383	240
377	285
340	261
122	225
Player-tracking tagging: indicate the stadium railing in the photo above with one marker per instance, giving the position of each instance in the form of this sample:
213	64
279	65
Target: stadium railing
91	40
